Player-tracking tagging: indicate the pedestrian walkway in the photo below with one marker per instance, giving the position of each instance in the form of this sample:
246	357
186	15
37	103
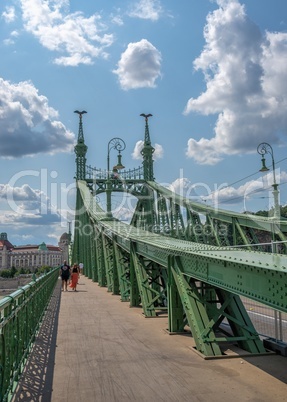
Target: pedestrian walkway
108	352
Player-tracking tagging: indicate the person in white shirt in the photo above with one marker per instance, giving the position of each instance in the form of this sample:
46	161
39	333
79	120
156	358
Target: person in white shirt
81	267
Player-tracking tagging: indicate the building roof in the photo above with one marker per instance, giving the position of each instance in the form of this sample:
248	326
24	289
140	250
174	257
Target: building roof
36	247
53	248
28	247
65	236
6	243
43	247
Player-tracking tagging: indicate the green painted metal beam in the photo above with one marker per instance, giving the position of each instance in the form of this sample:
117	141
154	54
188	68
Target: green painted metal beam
246	220
257	275
196	312
108	257
176	321
202	283
146	293
123	272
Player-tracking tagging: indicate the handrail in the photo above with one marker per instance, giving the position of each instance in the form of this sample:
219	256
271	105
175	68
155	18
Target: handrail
20	316
102	174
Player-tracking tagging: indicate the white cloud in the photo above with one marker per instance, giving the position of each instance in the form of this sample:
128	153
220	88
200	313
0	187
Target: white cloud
9	14
25	209
246	82
147	9
8	42
139	66
232	195
26	205
241	195
181	186
80	39
28	124
137	150
123	213
158	151
117	20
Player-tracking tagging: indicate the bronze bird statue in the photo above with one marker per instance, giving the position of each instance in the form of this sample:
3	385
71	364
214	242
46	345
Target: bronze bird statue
146	116
80	113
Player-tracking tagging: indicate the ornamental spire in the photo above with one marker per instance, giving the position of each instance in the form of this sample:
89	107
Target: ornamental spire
80	150
147	152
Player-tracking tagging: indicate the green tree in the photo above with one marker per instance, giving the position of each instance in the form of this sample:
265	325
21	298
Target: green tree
13	271
5	273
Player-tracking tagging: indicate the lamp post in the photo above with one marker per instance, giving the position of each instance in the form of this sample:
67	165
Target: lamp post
263	149
119	145
69	242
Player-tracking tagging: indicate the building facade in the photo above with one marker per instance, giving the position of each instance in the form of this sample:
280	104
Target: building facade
32	256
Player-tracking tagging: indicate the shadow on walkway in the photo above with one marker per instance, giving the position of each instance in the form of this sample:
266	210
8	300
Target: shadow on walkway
123	357
35	384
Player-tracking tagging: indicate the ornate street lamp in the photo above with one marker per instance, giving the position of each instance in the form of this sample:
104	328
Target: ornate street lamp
263	149
119	145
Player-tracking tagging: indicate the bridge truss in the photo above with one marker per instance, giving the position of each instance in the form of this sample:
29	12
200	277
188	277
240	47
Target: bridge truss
182	257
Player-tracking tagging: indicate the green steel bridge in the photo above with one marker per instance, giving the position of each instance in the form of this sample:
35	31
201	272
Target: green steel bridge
187	259
192	260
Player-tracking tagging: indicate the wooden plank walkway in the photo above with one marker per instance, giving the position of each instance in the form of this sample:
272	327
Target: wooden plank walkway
98	349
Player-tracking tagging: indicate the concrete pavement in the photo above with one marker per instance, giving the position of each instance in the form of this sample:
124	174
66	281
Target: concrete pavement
108	352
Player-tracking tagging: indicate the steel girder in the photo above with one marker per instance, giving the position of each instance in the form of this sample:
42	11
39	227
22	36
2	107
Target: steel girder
206	307
216	235
162	218
86	251
84	254
93	253
176	221
277	229
150	283
202	283
83	244
108	254
102	278
76	243
111	266
159	210
131	186
122	260
201	314
259	276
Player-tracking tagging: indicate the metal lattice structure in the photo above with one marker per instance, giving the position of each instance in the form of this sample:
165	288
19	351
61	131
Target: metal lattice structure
81	150
191	260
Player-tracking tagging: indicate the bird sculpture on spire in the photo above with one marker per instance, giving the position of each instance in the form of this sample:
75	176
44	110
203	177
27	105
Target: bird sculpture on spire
146	116
80	113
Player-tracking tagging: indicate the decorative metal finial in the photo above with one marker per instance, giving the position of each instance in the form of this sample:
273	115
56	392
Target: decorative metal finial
146	116
80	113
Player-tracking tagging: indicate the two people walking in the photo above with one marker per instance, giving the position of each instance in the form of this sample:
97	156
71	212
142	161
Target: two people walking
69	276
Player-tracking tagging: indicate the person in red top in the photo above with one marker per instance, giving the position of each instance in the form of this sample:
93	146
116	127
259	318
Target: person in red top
74	277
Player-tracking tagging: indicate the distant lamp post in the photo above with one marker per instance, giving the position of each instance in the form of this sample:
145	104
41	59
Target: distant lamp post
119	145
69	242
263	149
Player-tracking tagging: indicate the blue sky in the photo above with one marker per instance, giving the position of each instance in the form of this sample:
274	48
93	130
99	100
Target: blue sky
212	73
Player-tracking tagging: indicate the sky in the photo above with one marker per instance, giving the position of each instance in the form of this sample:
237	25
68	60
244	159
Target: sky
213	74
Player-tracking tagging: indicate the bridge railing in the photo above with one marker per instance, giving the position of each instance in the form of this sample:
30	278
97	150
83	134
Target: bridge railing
102	174
20	316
